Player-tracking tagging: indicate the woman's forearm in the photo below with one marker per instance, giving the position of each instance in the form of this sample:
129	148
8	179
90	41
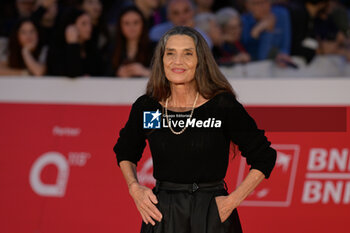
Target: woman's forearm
129	172
251	181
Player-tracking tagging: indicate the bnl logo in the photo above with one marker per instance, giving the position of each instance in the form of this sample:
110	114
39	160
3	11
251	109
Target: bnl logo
151	119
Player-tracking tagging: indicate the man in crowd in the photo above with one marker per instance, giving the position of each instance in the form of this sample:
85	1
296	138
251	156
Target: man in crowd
180	13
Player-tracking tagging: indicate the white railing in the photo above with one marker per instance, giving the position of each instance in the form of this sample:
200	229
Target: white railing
111	91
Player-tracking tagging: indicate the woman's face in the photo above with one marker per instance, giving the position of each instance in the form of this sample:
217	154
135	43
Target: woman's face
28	35
131	25
84	27
180	59
233	29
93	8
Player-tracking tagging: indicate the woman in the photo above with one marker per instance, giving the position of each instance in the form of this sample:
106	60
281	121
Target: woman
100	35
46	17
133	50
26	53
232	51
190	160
207	23
72	54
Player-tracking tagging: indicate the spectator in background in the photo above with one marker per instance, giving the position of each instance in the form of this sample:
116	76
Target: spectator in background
232	51
26	53
133	52
204	6
346	3
148	9
46	17
207	23
100	36
338	13
180	13
25	7
12	12
305	17
331	30
72	54
93	8
236	4
266	31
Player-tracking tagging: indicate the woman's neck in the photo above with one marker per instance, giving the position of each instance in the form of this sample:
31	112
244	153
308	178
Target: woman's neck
131	48
182	95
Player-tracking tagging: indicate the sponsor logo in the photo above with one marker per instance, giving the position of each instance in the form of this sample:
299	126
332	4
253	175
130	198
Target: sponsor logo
283	176
62	164
328	176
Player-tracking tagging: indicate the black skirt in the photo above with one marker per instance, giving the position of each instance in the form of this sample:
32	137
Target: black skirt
191	208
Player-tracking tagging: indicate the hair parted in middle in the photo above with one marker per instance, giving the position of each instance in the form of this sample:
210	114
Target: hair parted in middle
209	79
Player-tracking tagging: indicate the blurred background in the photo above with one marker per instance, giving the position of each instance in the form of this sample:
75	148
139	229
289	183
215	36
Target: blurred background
70	70
95	38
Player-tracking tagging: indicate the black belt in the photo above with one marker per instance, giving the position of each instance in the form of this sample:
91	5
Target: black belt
208	186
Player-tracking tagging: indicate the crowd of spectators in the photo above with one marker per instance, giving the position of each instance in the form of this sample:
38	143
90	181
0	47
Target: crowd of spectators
117	38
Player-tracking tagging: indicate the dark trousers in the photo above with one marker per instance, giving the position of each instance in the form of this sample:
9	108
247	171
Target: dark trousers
191	208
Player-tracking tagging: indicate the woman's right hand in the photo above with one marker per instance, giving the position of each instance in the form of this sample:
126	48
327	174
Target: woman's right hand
145	201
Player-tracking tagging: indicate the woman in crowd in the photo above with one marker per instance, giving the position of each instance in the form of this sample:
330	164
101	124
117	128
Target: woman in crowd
232	51
332	31
100	36
26	55
133	50
207	23
73	54
152	11
46	17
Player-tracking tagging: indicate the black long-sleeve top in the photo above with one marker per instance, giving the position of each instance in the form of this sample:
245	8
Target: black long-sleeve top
199	154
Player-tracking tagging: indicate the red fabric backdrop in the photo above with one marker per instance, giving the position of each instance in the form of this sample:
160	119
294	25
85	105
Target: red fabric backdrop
58	172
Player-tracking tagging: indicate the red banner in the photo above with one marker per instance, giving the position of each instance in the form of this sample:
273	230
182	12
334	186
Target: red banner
58	172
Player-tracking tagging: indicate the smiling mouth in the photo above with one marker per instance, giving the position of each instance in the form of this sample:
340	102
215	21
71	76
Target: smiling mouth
178	70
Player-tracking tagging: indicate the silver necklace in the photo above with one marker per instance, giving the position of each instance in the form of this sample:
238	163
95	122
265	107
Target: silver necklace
167	119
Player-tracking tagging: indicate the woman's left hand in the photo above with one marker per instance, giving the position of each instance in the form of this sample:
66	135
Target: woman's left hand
225	207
